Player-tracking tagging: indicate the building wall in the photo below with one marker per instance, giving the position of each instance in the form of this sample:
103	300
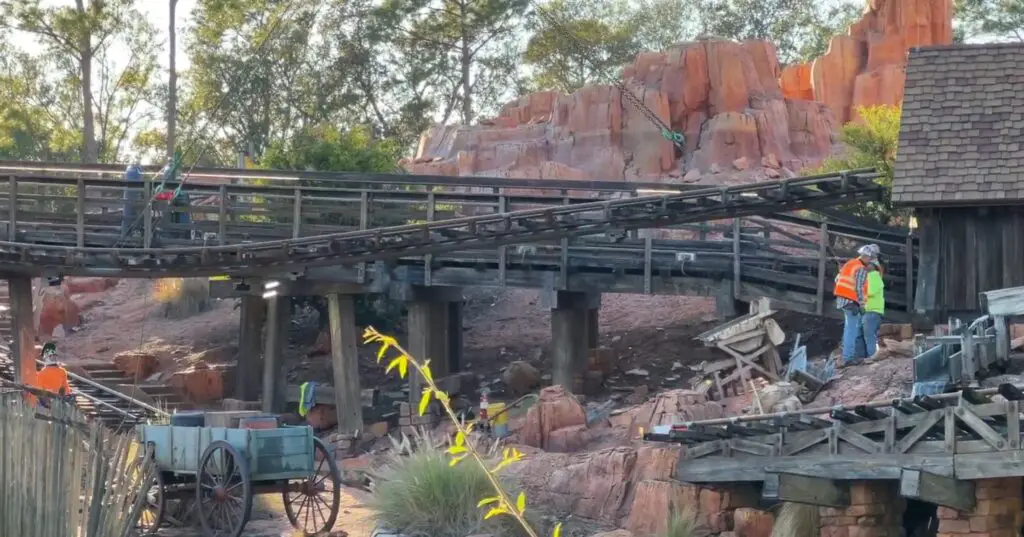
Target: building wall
965	251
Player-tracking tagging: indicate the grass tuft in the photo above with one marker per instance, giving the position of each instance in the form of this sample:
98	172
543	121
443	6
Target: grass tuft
796	520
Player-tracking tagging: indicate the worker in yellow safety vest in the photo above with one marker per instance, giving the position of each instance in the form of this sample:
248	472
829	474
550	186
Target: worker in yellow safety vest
851	293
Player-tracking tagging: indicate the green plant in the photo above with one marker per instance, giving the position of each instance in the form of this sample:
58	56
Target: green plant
683	524
462	445
871	142
796	520
418	492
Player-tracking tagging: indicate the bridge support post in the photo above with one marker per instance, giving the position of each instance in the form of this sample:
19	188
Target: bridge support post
23	329
273	351
593	327
345	362
726	305
572	320
249	372
435	332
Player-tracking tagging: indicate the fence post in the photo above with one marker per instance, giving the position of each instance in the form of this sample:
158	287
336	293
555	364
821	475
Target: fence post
12	209
822	256
222	216
297	214
364	222
147	212
502	250
736	227
428	259
80	215
910	274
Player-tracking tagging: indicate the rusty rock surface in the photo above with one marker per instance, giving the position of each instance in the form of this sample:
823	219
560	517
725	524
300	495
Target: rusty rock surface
723	96
866	67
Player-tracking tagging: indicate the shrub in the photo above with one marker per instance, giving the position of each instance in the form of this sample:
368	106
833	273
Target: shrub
683	524
181	297
796	520
419	492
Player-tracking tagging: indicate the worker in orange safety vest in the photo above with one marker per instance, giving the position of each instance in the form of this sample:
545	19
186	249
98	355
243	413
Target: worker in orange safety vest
851	293
53	377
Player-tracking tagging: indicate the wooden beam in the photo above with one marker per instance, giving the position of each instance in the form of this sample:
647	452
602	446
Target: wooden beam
781	487
1004	302
937	489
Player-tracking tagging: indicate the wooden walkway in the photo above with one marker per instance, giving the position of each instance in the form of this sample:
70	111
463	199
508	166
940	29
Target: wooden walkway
446	231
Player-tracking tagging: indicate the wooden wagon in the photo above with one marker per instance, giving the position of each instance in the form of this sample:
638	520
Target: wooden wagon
222	468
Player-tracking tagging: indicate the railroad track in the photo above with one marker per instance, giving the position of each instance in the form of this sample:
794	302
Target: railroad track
94	385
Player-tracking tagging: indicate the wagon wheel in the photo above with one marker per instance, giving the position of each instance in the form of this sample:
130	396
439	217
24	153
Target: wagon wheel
152	513
223	491
314	507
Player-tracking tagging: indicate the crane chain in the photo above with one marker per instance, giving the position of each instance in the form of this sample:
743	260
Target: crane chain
677	139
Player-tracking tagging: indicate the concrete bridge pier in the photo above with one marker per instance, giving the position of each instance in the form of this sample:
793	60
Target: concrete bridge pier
574	332
435	331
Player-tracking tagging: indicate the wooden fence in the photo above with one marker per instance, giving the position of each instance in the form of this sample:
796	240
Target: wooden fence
62	476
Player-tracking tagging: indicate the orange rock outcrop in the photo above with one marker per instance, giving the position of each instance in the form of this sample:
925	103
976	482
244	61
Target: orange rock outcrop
866	67
723	96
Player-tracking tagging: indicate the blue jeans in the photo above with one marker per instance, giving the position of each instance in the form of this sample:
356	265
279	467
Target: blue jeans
871	323
852	331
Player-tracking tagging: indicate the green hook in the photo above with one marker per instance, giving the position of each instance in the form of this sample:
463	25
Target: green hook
674	137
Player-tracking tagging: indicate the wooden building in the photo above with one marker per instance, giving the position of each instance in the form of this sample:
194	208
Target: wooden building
960	168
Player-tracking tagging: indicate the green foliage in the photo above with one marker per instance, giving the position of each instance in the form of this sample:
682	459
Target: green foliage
871	142
683	524
999	19
89	96
800	29
326	148
585	50
420	493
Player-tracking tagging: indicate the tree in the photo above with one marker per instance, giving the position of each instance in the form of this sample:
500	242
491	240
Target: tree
91	91
473	40
797	28
172	79
871	142
573	47
830	21
1000	19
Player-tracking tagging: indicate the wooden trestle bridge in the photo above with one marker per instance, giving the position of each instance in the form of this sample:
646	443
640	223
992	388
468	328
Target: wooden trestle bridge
934	446
378	230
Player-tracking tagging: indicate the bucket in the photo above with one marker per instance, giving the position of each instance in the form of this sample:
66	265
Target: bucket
499	425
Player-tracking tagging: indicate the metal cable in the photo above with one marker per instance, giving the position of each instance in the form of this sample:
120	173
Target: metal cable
677	139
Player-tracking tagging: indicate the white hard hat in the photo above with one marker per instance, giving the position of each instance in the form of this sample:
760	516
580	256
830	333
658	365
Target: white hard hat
869	250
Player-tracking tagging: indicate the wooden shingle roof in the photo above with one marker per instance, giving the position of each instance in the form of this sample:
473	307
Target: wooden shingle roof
962	130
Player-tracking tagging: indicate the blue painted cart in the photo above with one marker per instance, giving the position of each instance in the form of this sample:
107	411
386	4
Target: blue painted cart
222	468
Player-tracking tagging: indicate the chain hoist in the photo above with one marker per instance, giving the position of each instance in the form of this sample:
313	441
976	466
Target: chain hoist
677	138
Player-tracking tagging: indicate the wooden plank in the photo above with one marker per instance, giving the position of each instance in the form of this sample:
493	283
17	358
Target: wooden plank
736	258
989	465
928	264
919	430
297	214
909	280
975	423
80	214
1003	302
222	216
12	209
822	258
856	439
937	489
782	487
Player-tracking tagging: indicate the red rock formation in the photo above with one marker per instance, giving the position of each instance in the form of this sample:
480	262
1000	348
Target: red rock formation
722	95
56	309
555	409
866	66
201	383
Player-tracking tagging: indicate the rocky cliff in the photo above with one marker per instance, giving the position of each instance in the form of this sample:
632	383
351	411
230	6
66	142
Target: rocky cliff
867	66
743	118
722	95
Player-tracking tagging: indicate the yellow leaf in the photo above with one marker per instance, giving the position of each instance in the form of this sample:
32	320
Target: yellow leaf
456	460
455	450
425	371
381	352
521	502
558	530
424	401
395	363
505	453
486	501
443	397
403	366
495	512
